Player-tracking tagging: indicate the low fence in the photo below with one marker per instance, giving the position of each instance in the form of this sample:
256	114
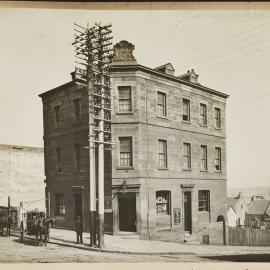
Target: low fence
248	236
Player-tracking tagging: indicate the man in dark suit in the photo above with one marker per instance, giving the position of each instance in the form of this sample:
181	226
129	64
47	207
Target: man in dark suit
79	229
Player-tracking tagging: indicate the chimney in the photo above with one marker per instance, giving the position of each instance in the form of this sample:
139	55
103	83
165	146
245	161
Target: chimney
190	76
123	53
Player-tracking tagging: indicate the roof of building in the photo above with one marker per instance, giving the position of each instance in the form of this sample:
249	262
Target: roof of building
167	65
232	201
258	207
124	61
230	207
19	147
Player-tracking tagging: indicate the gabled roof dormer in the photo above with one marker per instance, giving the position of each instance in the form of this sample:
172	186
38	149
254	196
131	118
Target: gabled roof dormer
167	69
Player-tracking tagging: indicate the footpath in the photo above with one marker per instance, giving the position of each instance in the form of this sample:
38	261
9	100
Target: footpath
126	243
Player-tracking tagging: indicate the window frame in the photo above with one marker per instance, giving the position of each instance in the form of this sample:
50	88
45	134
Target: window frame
59	159
203	114
161	154
218	159
124	99
57	115
78	156
204	158
130	157
187	156
77	110
186	102
167	195
217	119
204	203
60	206
163	105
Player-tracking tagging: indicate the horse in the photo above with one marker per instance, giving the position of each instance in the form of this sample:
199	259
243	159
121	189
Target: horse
43	228
6	222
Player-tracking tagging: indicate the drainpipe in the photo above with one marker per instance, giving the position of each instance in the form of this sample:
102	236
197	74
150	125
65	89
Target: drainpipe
147	175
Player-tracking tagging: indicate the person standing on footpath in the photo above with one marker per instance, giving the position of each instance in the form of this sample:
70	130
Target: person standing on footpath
79	229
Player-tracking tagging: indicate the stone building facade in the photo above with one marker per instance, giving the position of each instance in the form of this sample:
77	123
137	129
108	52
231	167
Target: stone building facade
168	165
22	176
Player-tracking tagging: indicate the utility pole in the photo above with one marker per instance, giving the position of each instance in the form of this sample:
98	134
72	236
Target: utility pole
93	52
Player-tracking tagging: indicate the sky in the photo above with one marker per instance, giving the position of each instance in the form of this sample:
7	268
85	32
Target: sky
230	50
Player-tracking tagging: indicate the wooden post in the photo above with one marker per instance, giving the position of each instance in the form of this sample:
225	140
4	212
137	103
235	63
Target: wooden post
92	173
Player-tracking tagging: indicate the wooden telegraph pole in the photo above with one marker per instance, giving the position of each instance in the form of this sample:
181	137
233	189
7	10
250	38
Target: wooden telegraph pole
94	53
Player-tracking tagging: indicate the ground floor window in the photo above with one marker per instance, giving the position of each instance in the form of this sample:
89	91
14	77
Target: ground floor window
60	204
163	202
204	200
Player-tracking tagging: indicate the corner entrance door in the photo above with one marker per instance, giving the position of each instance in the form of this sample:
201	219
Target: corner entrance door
78	205
187	211
127	212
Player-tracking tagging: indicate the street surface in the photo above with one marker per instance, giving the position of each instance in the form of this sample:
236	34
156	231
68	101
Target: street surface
13	251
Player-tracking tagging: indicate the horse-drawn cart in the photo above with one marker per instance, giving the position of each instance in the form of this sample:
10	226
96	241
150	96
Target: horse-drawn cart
35	223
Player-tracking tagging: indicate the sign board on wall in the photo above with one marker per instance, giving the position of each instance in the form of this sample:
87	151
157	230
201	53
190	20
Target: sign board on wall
177	216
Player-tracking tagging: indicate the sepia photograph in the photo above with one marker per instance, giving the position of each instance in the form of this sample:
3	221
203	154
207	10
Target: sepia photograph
134	133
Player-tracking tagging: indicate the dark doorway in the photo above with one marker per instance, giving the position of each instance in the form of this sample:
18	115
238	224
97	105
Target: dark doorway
78	205
222	219
127	212
187	211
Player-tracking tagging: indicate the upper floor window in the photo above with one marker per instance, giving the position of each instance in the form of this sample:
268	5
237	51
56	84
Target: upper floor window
59	159
186	109
203	157
217	118
163	202
162	110
125	151
60	204
204	200
78	157
77	108
187	156
57	115
124	98
218	159
203	114
162	153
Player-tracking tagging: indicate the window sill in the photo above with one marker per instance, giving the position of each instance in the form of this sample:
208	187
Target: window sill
186	170
162	117
59	173
164	228
162	169
125	168
216	171
124	112
205	126
204	171
216	128
186	122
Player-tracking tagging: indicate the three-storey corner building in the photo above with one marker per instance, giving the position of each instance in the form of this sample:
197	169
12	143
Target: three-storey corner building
167	170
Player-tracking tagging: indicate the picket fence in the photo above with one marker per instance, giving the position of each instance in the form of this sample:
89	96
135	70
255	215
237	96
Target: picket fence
238	236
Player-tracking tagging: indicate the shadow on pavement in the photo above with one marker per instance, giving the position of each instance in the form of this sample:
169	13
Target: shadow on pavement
63	240
28	241
240	258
